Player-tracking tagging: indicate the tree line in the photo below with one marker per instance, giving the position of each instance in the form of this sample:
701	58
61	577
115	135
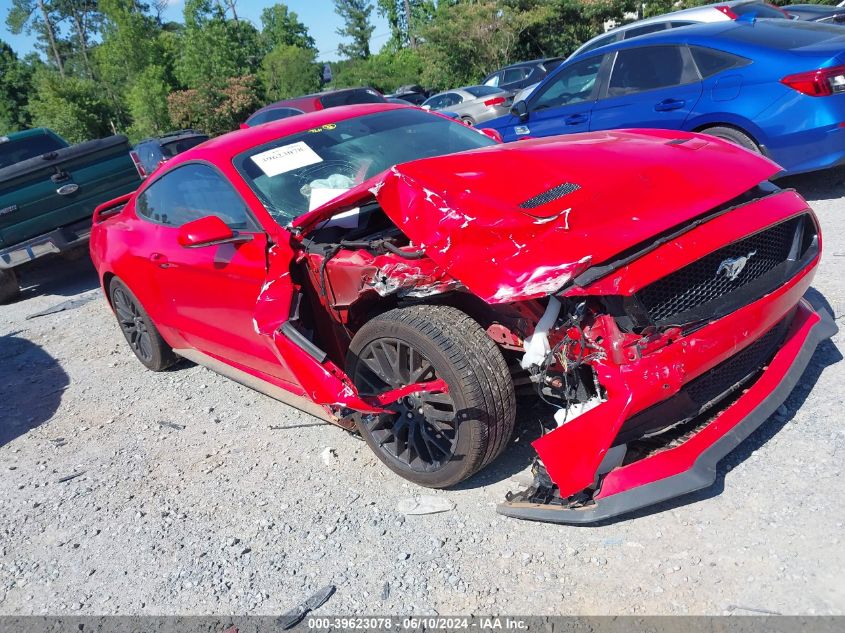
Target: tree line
117	66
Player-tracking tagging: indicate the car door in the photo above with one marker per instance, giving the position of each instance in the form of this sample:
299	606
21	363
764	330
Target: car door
649	86
208	294
562	104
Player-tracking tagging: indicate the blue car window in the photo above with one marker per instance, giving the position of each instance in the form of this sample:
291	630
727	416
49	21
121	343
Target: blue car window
572	84
649	68
710	61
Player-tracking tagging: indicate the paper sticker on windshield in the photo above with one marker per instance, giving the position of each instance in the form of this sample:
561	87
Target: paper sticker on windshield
286	158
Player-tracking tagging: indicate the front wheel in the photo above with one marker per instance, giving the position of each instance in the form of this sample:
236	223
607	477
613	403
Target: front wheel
433	439
732	135
9	286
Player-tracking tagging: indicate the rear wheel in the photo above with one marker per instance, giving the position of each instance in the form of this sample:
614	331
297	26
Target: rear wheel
433	439
9	286
732	135
468	120
139	330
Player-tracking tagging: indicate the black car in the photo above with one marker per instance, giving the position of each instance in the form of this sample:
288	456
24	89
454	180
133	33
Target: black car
412	94
817	13
522	74
151	152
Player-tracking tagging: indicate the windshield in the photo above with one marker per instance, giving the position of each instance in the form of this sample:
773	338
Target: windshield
300	172
16	151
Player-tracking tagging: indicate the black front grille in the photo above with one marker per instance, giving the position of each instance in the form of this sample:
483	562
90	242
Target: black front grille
703	392
734	371
729	270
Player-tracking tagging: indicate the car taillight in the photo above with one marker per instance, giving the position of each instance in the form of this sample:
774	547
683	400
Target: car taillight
138	165
818	83
727	11
494	101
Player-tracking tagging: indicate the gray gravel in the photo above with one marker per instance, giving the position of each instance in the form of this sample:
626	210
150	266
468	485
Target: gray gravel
184	501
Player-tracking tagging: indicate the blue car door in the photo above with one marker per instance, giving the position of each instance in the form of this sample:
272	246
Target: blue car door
561	104
649	86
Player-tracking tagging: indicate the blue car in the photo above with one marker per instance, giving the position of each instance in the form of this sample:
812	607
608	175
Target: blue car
773	86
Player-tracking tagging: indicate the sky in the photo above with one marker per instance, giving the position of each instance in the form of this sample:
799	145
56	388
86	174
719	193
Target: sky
317	15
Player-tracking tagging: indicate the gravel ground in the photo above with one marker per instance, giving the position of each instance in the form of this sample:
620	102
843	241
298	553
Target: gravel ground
197	495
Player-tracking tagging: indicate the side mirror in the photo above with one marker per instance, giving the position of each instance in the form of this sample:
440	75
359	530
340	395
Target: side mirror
494	134
209	231
520	111
425	107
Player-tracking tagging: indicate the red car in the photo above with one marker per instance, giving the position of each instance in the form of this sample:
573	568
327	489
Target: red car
398	273
312	103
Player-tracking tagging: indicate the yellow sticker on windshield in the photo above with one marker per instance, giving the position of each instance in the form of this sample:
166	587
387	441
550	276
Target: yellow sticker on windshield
323	128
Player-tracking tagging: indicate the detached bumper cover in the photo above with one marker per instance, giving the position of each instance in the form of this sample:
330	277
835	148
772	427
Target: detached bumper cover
57	241
761	399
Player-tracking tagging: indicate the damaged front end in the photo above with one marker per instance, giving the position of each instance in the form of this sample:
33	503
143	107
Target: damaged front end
658	377
662	328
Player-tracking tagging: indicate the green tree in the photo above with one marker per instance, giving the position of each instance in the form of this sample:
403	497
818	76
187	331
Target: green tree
356	25
72	106
147	100
84	18
567	24
15	84
406	18
288	71
384	71
213	109
39	17
281	27
465	41
214	48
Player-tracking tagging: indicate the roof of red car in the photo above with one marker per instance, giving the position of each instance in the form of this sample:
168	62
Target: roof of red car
229	145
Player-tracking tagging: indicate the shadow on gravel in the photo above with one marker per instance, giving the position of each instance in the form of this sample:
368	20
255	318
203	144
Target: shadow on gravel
58	276
819	185
31	387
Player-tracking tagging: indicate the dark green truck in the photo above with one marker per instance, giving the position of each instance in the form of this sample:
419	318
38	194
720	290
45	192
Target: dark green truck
48	192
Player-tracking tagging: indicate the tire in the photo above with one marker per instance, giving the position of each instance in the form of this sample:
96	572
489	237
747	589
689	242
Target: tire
139	330
468	120
9	286
434	440
733	135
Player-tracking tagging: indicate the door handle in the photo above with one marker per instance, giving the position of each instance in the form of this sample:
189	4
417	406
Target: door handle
670	104
160	260
575	119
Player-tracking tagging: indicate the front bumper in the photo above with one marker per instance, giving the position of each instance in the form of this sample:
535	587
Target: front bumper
57	241
652	479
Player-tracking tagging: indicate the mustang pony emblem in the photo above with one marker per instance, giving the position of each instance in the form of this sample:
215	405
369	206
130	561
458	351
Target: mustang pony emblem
732	267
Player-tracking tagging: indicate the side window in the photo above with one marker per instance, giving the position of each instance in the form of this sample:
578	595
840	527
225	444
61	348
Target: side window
676	23
644	30
514	74
572	84
710	61
649	68
190	193
493	80
602	41
451	99
435	103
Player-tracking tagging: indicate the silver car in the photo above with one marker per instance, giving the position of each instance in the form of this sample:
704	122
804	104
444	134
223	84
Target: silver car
474	104
696	15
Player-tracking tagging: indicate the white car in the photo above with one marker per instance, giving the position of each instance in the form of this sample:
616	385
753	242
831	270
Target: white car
696	15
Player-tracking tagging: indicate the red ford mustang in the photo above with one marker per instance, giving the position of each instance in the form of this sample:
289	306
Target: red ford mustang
398	273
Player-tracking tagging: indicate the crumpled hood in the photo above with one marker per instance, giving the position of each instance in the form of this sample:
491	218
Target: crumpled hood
518	221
